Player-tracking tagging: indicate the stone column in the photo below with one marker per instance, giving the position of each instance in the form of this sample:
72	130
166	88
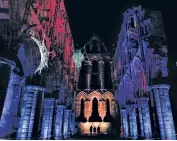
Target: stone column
153	112
17	95
59	122
112	71
101	73
164	112
66	123
132	120
73	124
7	111
124	125
146	117
47	118
69	123
29	102
88	75
87	109
32	113
140	116
76	81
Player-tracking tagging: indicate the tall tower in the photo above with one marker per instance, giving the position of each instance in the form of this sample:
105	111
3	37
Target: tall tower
95	101
141	65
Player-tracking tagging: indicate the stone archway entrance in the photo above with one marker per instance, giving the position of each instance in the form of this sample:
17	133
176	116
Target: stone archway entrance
95	115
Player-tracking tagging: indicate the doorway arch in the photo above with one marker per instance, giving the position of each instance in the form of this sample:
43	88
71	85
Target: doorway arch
95	114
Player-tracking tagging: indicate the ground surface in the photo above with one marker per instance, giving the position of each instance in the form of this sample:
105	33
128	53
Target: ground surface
96	137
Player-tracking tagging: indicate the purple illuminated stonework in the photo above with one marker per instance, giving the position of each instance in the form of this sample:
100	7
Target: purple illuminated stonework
141	66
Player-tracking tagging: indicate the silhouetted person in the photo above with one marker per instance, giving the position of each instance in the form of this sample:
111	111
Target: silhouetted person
91	128
94	130
98	129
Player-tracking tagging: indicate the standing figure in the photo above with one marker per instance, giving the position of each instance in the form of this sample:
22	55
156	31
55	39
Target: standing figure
98	129
91	128
94	130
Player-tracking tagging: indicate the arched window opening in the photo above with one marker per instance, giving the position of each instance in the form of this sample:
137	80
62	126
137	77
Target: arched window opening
81	117
95	115
82	107
82	77
107	106
108	117
95	76
132	23
94	46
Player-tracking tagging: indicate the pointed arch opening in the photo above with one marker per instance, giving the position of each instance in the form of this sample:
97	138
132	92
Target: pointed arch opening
95	115
95	76
108	117
81	117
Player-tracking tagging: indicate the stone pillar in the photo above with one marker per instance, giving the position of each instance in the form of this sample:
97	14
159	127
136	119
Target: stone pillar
69	123
28	111
73	124
47	118
87	109
140	117
17	95
154	114
7	111
124	123
146	117
101	108
59	122
65	127
88	75
112	71
101	73
76	81
164	112
132	120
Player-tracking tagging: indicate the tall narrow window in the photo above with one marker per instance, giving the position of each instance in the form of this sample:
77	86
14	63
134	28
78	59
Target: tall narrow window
95	76
95	106
82	107
82	77
132	24
107	106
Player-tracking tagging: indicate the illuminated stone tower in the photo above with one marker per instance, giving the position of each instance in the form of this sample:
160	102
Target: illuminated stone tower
95	101
141	64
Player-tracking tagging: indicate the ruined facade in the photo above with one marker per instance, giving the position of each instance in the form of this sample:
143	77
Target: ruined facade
141	66
36	106
95	101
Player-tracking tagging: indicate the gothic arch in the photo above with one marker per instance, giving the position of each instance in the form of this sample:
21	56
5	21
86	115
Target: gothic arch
108	95
81	95
95	94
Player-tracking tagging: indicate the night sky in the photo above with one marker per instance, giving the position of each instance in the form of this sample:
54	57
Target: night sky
104	18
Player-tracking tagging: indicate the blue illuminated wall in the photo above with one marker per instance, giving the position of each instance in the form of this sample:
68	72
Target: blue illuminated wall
28	111
141	71
48	110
